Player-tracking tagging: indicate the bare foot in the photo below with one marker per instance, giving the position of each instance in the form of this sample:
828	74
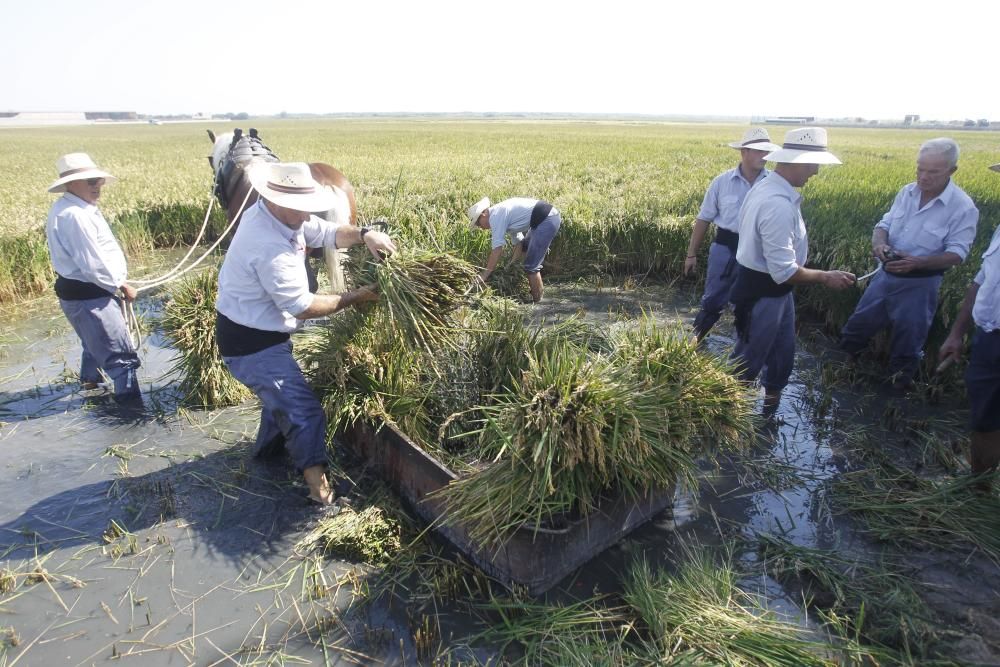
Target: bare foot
319	488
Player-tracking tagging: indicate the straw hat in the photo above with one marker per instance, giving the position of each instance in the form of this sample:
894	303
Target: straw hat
477	209
756	138
291	185
806	145
77	167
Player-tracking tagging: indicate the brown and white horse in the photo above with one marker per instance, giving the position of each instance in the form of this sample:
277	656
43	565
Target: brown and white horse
233	152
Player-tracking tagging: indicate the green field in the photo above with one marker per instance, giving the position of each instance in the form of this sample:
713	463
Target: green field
628	191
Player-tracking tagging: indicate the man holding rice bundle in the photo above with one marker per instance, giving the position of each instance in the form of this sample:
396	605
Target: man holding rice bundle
982	379
771	261
928	229
264	296
531	223
721	205
90	268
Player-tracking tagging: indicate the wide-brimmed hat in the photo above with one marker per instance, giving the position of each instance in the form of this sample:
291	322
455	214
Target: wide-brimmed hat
477	209
806	145
77	167
291	185
756	138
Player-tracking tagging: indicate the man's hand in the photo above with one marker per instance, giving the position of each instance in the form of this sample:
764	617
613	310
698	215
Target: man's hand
950	352
880	250
367	292
905	265
484	276
838	280
128	292
690	264
379	244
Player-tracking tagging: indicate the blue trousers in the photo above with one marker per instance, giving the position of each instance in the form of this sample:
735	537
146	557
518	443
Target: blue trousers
290	412
718	284
905	304
770	347
539	239
101	327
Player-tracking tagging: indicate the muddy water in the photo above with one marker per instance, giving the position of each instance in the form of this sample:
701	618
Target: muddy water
153	538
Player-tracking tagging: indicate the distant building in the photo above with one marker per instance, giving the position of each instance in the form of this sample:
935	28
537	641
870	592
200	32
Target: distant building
27	118
911	118
790	120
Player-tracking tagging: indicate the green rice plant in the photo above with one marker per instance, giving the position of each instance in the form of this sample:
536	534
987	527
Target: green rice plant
698	615
189	322
874	599
898	507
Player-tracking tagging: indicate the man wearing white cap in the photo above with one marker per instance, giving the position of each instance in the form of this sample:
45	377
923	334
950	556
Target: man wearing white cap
928	229
981	306
532	224
722	206
264	296
772	256
91	269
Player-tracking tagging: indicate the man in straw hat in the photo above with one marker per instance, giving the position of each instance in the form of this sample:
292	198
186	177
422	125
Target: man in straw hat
771	261
981	306
722	206
532	224
928	229
91	269
264	296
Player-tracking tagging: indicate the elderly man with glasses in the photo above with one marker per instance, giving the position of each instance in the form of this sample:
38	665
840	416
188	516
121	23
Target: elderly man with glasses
91	271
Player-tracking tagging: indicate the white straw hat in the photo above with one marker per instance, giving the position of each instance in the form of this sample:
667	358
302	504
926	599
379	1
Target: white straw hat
756	138
806	145
77	167
291	185
477	209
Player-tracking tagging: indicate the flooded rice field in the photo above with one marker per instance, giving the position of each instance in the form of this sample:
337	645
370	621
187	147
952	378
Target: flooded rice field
152	538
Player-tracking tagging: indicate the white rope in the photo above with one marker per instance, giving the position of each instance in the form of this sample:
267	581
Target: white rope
201	232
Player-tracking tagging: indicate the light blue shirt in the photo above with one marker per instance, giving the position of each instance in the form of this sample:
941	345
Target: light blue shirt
263	282
946	223
986	309
511	216
772	232
81	245
725	196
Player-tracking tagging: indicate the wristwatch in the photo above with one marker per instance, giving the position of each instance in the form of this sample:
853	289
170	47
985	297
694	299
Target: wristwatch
365	230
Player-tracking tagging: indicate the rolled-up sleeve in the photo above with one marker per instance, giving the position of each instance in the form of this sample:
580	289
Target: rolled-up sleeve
284	279
962	232
319	233
776	226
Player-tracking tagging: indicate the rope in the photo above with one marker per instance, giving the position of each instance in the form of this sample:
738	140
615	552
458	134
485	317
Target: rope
201	232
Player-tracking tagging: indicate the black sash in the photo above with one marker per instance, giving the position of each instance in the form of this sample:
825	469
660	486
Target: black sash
539	212
68	289
918	274
749	288
727	238
236	340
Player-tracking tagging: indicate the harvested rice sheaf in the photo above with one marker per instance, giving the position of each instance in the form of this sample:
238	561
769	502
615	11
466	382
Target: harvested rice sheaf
369	536
577	425
189	321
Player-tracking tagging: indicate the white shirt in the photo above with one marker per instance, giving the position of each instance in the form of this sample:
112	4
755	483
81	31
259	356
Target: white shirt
510	217
946	223
725	196
986	309
82	246
263	282
772	232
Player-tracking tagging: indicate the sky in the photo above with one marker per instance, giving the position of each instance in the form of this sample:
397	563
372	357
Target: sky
876	59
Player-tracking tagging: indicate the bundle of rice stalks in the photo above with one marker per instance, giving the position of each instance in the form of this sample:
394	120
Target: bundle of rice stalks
877	601
576	425
418	289
509	279
370	536
189	322
899	507
698	615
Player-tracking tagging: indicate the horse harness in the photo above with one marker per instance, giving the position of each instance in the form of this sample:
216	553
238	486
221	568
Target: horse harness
242	151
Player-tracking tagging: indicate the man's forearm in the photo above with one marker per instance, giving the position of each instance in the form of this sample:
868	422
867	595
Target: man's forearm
944	260
494	259
697	236
806	276
964	318
327	304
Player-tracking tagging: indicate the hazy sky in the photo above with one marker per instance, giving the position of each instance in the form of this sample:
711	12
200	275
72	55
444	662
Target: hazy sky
871	58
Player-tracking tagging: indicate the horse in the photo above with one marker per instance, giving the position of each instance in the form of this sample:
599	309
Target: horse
233	153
